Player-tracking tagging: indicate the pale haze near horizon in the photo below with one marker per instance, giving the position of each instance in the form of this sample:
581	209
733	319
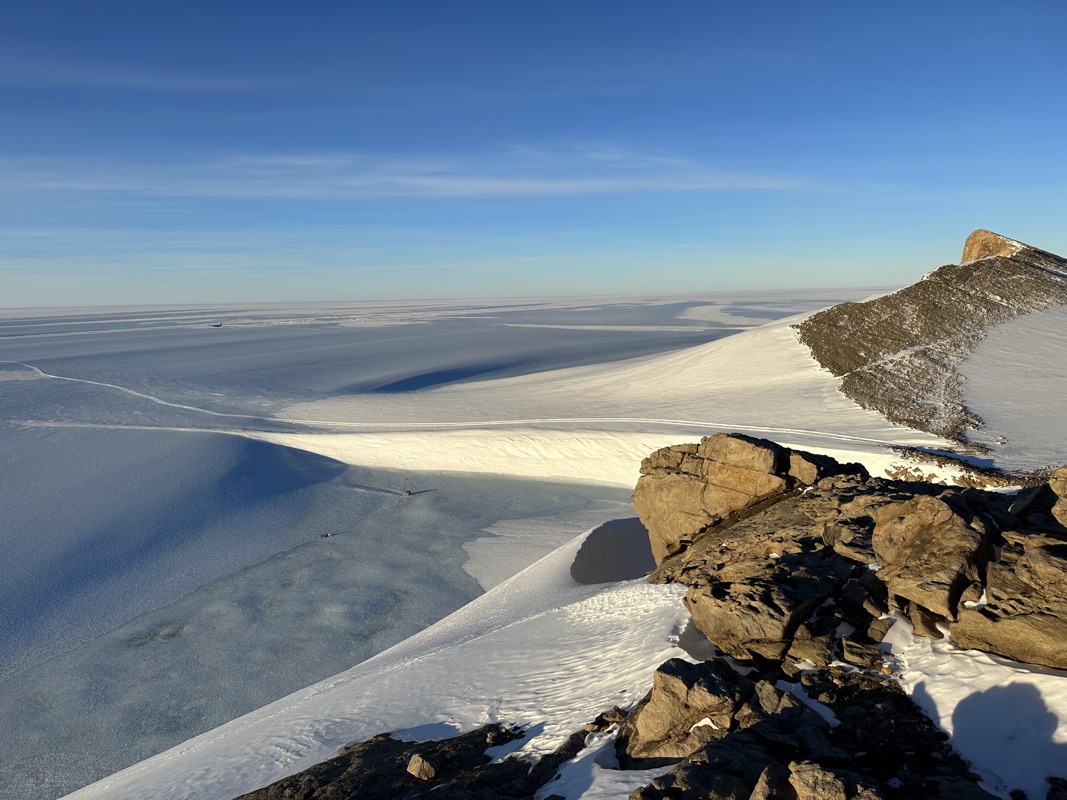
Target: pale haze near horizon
239	153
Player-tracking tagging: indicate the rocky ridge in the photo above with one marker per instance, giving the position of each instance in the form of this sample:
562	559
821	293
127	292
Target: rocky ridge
897	354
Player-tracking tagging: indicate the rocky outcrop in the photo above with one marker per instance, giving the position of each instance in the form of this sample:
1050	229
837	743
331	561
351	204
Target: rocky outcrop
686	489
387	767
773	745
777	584
1022	613
457	768
929	552
897	354
689	705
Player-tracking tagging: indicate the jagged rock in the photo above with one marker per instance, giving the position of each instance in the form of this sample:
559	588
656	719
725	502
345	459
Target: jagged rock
753	608
686	489
928	552
1058	484
860	653
897	354
811	781
756	584
420	768
924	622
983	244
773	784
881	747
688	705
1025	613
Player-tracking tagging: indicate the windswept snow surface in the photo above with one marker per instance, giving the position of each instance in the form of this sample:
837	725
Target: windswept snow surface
1008	719
539	650
133	439
1016	381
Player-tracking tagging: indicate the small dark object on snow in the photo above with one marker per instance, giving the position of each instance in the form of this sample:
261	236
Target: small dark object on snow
406	493
216	324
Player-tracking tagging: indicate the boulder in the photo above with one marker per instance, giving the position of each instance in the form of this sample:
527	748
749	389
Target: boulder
754	604
812	781
421	768
983	244
1024	615
686	489
689	704
928	552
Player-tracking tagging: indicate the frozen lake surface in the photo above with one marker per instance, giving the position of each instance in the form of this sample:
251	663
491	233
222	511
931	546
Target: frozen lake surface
164	572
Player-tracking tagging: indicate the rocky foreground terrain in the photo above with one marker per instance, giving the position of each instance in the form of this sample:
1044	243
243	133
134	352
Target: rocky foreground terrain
898	354
795	565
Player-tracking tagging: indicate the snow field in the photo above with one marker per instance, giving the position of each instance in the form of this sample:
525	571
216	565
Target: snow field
539	650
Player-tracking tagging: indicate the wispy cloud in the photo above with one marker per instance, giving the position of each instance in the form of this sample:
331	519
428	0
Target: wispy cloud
32	70
512	172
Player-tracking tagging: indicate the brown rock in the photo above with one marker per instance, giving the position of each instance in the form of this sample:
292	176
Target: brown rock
671	506
420	768
924	622
744	452
983	244
686	489
1058	484
1025	614
689	705
814	782
928	552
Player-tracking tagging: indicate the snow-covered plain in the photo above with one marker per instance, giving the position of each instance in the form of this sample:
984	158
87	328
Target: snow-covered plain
247	443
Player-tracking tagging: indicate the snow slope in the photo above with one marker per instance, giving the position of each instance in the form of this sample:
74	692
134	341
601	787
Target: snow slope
1016	381
539	650
496	658
597	422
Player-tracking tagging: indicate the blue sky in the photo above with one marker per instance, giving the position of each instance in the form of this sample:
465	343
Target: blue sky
202	152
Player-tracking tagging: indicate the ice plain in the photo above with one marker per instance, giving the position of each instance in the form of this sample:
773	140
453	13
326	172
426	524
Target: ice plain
249	451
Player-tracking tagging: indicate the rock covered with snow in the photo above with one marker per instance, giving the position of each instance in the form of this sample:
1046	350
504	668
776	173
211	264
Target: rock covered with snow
897	354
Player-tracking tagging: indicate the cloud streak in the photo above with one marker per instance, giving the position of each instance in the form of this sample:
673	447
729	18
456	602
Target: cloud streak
508	173
31	70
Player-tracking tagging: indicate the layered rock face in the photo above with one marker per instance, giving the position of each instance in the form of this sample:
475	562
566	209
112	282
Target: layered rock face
776	580
754	741
685	489
898	354
794	582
